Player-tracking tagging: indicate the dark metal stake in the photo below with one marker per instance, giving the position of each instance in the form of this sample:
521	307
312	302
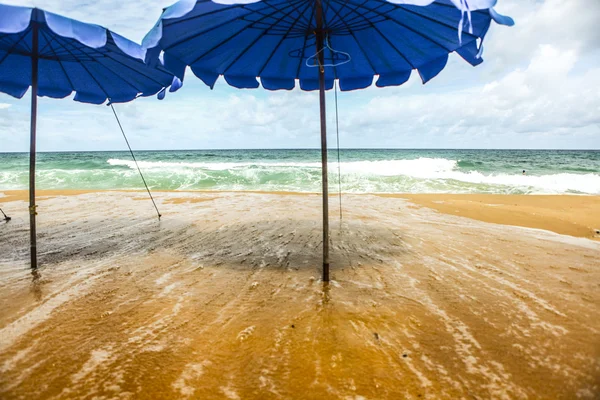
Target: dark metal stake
34	91
320	39
6	217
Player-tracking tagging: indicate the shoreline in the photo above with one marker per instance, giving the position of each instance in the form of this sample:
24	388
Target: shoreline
573	215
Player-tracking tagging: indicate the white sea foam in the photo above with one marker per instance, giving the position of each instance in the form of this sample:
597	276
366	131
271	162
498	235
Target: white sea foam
421	175
383	168
434	170
215	166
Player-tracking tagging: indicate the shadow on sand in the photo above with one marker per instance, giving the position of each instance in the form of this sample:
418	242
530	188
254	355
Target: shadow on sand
278	244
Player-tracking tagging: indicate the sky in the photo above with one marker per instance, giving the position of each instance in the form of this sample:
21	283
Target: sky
538	88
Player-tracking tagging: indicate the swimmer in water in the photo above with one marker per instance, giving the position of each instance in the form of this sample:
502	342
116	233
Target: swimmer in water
523	172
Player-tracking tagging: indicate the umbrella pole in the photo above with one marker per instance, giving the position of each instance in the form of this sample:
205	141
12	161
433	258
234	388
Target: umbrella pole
320	40
324	174
34	90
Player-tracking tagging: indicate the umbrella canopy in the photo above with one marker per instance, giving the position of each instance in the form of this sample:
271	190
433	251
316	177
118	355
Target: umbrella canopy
276	40
72	56
57	56
314	42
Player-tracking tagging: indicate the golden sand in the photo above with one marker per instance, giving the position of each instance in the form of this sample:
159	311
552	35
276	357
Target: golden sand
23	195
222	299
568	215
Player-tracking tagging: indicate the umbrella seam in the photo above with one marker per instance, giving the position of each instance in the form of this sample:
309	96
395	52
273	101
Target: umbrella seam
226	40
243	6
300	63
62	67
91	76
277	48
108	55
443	23
410	29
244	51
8	52
367	57
394	47
96	59
345	23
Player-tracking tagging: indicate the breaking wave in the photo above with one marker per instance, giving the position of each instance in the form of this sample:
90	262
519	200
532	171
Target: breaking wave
419	175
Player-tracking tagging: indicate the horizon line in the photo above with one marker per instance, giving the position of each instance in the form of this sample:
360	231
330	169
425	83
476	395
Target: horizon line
305	148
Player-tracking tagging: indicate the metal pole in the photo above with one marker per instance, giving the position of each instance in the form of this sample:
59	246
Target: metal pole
34	90
6	217
320	39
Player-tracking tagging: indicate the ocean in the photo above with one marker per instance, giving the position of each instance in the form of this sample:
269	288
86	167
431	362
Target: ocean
362	171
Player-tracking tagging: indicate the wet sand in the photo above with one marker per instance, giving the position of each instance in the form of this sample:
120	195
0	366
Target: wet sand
222	299
565	214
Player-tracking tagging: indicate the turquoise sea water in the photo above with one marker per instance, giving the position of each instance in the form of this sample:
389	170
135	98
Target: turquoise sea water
362	171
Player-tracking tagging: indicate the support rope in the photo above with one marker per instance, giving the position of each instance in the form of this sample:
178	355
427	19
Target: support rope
6	217
134	160
337	129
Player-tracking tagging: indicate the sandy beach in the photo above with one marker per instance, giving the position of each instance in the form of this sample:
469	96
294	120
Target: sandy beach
568	215
433	296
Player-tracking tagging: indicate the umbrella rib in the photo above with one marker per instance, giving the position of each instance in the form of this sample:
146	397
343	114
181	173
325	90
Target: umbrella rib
71	48
89	73
454	7
49	41
401	7
300	62
325	9
404	26
306	20
343	22
225	41
365	53
96	59
8	52
283	37
109	55
266	15
421	35
139	71
60	64
184	20
258	38
131	85
179	21
162	85
396	48
194	36
466	33
359	15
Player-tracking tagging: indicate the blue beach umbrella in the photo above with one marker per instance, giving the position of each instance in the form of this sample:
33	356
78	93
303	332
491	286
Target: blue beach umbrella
57	56
312	43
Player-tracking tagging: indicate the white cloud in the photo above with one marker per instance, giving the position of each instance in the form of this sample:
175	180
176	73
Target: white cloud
131	19
542	99
566	25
